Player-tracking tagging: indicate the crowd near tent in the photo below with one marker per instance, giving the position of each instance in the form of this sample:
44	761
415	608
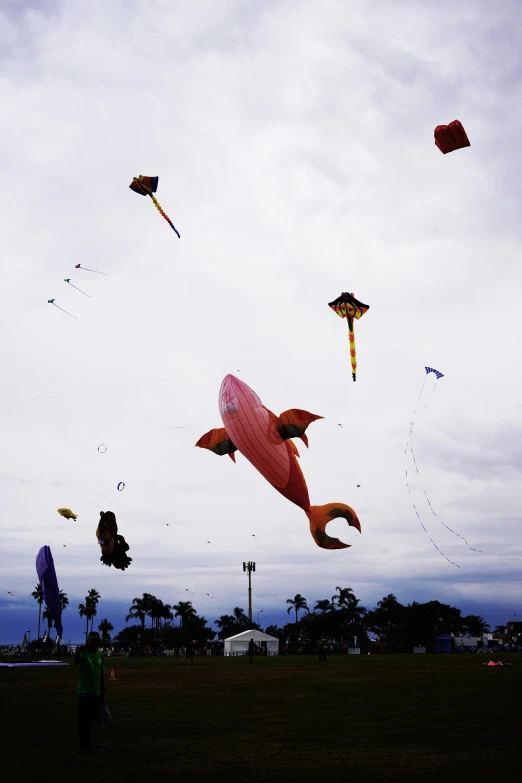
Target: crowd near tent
238	644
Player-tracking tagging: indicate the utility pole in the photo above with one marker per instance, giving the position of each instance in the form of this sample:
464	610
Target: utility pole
249	567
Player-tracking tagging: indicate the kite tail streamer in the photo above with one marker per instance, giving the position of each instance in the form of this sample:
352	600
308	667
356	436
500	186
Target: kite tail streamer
67	280
319	516
162	213
51	301
351	339
84	268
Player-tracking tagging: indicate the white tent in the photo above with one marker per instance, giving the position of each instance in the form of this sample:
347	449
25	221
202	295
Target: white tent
238	644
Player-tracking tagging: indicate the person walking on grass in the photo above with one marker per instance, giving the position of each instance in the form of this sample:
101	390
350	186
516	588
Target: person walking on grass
321	650
189	653
91	687
251	650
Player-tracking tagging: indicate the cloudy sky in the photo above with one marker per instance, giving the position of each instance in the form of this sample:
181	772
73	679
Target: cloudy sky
294	147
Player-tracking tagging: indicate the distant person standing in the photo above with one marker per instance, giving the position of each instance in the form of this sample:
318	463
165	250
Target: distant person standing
189	653
251	650
91	687
321	650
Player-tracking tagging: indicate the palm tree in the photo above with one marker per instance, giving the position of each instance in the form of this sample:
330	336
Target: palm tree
85	611
323	606
227	626
158	612
296	603
345	598
140	608
476	625
64	601
37	594
240	617
224	621
92	613
185	611
92	600
165	613
47	616
388	602
105	627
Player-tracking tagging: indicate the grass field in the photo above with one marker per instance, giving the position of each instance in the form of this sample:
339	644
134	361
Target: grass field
385	718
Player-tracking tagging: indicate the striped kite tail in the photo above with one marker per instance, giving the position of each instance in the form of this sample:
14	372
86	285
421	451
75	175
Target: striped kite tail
162	213
351	338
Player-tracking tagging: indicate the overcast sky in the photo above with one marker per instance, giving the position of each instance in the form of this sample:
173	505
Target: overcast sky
294	147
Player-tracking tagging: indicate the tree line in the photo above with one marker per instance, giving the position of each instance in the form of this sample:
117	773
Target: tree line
87	609
341	618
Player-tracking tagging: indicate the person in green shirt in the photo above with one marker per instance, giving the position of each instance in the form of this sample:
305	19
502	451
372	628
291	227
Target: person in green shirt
91	687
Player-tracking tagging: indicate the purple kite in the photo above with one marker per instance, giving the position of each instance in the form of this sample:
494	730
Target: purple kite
49	585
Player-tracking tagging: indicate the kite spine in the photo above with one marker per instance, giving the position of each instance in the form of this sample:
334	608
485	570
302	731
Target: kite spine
162	213
351	340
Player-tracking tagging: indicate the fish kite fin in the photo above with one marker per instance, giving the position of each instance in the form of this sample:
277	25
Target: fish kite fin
319	516
293	447
218	441
294	422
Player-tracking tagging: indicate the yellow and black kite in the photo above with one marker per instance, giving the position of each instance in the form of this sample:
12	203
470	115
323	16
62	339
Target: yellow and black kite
347	306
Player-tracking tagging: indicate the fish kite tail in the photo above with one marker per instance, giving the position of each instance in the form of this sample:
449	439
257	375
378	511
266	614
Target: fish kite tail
351	339
163	214
319	516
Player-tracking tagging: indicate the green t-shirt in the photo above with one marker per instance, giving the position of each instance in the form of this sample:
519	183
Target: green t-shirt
90	671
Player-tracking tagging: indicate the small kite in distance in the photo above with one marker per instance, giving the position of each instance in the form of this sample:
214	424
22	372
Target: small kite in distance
341	426
347	306
211	544
210	596
51	301
189	591
121	486
146	186
79	266
13	593
68	280
449	138
358	485
67	513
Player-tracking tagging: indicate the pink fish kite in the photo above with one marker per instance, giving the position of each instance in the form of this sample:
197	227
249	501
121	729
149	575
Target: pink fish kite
265	440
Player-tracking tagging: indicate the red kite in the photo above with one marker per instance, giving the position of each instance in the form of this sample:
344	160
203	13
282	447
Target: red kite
449	138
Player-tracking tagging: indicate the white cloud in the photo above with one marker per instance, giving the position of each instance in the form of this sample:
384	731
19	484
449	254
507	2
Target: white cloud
294	146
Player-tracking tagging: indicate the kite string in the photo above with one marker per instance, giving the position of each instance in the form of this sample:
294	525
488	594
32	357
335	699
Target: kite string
422	525
432	509
409	444
418	472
